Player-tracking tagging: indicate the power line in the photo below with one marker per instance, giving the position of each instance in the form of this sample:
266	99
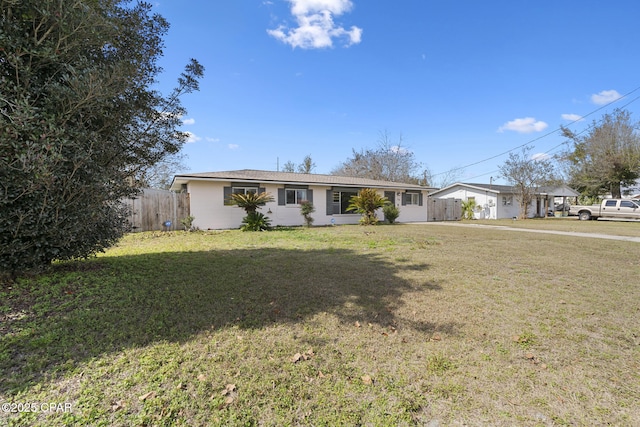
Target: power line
545	135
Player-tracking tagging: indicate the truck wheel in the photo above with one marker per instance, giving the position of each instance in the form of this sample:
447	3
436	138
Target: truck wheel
584	216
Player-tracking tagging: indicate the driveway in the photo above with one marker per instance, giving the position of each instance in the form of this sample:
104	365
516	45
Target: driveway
529	230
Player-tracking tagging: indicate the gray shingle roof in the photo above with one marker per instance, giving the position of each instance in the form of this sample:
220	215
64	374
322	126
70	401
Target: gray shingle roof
259	176
509	189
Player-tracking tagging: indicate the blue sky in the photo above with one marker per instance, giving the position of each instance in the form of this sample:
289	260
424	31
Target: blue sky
459	81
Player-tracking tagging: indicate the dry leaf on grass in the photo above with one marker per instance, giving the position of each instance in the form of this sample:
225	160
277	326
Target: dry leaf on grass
366	379
230	392
146	396
303	356
228	389
120	404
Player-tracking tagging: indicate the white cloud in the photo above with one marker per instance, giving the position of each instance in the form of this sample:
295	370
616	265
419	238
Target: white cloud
233	146
525	125
209	139
192	137
540	156
605	97
316	28
573	117
189	121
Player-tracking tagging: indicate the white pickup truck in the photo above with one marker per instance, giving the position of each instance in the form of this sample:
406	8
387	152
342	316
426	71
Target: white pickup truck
608	209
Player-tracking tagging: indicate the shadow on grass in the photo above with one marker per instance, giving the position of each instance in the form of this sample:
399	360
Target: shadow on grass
58	320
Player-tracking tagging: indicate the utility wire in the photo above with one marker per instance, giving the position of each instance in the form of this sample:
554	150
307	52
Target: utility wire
545	135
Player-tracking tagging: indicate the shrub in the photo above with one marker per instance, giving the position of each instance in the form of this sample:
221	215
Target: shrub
187	222
391	212
255	221
306	209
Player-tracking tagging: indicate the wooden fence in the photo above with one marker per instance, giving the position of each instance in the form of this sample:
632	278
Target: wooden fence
157	210
444	209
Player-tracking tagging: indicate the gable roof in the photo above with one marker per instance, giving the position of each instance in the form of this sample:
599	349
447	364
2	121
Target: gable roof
560	191
493	188
260	176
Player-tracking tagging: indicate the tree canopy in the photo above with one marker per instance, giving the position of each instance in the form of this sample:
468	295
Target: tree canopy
606	158
527	175
387	162
80	122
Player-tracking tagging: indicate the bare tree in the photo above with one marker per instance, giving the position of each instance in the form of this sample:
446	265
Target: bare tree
388	162
307	165
289	166
527	175
443	179
161	174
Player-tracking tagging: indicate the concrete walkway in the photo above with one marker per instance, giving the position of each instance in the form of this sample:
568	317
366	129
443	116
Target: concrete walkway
529	230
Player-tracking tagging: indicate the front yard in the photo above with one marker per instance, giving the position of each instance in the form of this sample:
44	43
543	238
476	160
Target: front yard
350	325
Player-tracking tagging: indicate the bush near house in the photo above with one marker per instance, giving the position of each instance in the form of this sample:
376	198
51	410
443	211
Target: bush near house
366	202
391	212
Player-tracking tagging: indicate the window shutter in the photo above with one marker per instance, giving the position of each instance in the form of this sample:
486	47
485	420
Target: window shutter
329	202
261	190
310	196
404	199
420	200
282	198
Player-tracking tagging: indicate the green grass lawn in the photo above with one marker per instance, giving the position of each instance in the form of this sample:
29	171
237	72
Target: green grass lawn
386	325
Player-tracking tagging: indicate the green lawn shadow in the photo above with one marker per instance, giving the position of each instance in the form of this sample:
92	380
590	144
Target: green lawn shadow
121	302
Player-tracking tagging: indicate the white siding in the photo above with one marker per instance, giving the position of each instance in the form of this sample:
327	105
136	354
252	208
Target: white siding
486	199
492	203
207	206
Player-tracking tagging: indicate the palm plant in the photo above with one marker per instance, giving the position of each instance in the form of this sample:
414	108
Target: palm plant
365	203
255	221
250	202
468	209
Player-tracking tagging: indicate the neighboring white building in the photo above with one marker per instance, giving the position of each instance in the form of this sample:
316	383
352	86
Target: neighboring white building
209	194
500	201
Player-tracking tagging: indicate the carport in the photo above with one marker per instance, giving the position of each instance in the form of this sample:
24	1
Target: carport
547	195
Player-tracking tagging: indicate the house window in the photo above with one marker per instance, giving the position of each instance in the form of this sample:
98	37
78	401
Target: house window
239	189
244	190
413	198
507	200
295	196
340	202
